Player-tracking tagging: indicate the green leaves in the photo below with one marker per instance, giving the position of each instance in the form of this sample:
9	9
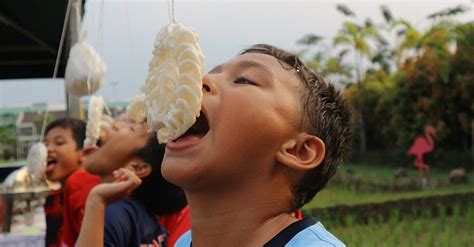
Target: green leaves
425	78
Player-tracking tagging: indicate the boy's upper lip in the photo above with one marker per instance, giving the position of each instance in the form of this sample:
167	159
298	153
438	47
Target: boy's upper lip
206	115
90	149
50	159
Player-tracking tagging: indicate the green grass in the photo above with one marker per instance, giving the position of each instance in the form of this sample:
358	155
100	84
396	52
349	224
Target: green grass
8	162
386	172
455	230
336	194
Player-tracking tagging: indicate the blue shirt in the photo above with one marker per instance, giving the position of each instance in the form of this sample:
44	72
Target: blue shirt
303	233
129	223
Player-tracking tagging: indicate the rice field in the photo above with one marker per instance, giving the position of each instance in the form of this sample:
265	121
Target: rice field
442	231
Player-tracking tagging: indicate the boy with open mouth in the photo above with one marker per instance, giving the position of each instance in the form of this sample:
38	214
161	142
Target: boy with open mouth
269	137
64	140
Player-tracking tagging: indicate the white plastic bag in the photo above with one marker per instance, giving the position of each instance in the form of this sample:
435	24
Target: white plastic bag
85	70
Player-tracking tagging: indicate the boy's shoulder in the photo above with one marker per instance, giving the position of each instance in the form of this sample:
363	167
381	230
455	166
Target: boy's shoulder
129	223
77	188
80	179
306	232
129	207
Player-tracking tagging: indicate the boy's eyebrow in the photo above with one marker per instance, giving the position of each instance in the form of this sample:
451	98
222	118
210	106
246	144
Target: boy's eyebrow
245	64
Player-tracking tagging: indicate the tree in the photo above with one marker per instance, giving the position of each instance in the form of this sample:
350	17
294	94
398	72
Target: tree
8	141
324	63
408	39
357	38
448	12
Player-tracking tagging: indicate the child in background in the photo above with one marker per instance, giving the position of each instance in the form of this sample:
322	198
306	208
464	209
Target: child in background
64	141
132	221
270	136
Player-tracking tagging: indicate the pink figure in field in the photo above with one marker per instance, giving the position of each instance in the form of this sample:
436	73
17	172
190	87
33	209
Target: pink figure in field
422	145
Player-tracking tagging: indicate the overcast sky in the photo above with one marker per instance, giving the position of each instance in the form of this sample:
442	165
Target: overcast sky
225	27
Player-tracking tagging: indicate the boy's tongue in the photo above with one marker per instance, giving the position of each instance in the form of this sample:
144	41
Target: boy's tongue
189	138
50	167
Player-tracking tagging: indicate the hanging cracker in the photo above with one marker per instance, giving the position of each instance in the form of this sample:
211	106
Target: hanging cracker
173	90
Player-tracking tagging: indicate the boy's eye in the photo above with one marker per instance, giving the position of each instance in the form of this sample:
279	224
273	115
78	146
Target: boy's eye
60	142
243	80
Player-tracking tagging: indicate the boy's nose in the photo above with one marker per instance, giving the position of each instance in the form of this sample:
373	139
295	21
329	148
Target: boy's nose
208	86
49	147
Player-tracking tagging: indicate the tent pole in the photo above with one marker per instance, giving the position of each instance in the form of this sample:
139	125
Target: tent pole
74	106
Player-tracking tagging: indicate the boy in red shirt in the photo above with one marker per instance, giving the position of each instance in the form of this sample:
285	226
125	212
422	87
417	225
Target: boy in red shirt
64	141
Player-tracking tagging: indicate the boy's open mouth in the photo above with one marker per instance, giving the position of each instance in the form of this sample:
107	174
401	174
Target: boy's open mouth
51	162
197	131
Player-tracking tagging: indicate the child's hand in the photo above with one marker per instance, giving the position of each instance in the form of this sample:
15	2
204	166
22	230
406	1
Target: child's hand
125	182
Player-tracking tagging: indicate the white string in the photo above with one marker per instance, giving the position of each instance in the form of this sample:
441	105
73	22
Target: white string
170	4
61	41
169	9
130	39
43	127
172	11
107	109
100	27
78	21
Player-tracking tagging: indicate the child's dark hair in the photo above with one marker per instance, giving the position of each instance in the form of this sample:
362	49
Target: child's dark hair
158	195
325	115
77	127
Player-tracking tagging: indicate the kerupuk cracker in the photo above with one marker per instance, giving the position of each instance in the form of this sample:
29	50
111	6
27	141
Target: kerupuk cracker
173	89
94	119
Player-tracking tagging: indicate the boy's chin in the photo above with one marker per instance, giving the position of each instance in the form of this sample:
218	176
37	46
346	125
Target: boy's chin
178	172
54	178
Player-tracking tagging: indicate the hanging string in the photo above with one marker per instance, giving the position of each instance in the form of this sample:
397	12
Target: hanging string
107	109
100	27
43	126
56	64
61	41
99	43
78	22
130	40
172	11
170	4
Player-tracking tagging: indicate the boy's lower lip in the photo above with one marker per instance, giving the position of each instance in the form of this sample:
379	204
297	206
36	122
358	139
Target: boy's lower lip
184	142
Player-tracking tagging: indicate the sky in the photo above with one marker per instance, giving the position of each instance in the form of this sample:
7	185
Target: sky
123	33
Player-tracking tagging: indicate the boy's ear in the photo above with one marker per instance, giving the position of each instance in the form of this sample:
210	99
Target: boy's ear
82	156
140	168
304	152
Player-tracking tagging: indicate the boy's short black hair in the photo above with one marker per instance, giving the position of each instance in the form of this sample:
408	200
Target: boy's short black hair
325	115
158	195
77	127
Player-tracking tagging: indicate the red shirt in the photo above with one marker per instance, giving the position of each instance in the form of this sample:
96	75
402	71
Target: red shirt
53	210
176	224
76	189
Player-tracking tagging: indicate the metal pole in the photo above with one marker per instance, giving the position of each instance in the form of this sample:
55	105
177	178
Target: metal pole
74	106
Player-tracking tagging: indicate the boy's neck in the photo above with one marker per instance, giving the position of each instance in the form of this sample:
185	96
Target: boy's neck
244	217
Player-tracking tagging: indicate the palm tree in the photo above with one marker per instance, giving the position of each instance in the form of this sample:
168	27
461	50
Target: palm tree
322	62
357	38
409	39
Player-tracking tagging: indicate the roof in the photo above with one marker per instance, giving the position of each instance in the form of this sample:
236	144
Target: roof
30	32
